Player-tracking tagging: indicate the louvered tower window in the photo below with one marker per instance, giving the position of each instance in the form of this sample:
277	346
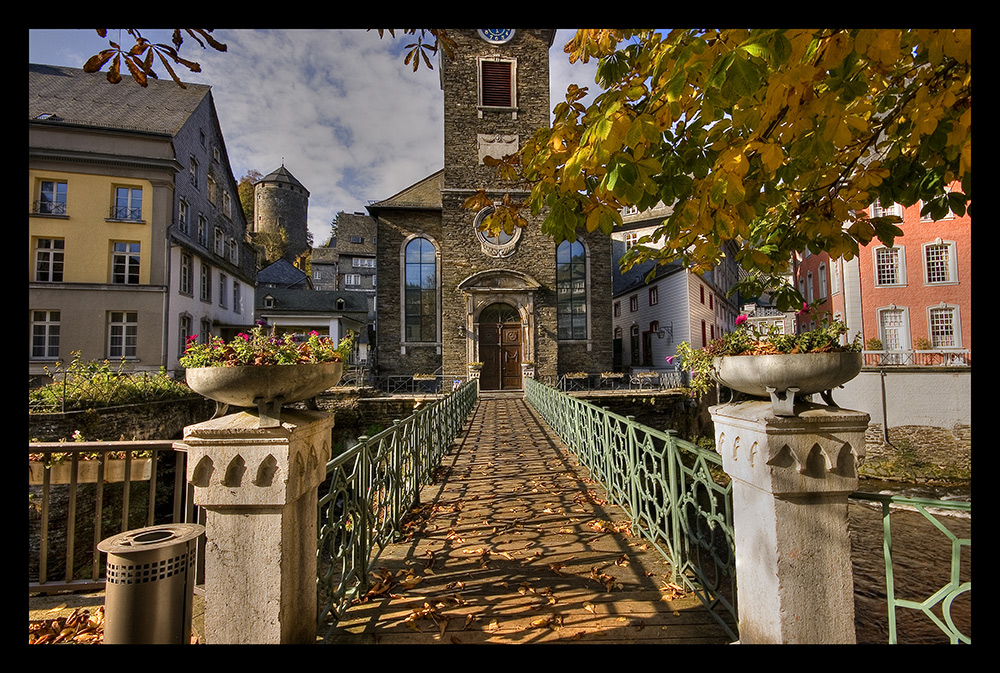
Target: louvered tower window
496	82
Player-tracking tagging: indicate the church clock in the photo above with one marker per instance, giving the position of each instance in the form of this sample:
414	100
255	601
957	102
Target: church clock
496	35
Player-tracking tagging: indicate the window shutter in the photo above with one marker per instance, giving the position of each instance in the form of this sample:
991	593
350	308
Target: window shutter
496	83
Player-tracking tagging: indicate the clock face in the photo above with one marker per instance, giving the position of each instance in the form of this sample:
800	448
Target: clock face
496	35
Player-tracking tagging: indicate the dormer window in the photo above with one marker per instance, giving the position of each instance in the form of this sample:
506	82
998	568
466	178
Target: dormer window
268	301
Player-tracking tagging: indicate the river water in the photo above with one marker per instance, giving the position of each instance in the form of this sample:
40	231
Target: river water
921	564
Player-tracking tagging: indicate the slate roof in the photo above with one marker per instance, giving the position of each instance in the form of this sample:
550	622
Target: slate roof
283	175
296	300
79	98
423	194
282	273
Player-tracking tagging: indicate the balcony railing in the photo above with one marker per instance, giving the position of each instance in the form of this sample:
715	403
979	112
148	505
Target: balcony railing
80	493
942	357
50	207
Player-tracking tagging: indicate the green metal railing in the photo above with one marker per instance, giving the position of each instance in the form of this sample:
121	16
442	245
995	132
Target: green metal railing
371	487
943	598
674	492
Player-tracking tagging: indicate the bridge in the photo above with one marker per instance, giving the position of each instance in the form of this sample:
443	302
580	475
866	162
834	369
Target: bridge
530	518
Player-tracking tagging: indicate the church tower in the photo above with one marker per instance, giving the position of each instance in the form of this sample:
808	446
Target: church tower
281	203
518	304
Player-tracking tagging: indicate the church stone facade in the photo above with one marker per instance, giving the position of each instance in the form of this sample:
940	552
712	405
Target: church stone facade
448	295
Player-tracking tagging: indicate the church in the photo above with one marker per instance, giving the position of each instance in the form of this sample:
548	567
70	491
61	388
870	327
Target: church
452	299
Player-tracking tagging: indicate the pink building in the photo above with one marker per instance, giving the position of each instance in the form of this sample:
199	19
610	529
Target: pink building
911	297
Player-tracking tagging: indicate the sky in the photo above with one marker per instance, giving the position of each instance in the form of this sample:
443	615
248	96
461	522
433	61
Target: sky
337	107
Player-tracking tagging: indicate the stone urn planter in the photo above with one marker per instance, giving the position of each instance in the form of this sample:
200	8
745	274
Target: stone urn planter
782	377
265	387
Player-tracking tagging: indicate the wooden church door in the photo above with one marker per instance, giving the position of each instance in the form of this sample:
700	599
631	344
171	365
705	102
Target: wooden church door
500	348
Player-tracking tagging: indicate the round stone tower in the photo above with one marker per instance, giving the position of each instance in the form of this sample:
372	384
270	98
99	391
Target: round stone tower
282	202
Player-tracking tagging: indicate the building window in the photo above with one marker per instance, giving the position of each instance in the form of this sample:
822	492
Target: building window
205	335
202	230
49	260
193	166
571	290
420	291
939	262
633	303
184	333
634	344
51	198
223	294
892	210
220	242
237	298
810	288
496	83
654	296
206	282
183	222
212	190
45	334
227	205
186	284
128	204
944	327
124	263
363	262
889	267
234	251
352	280
822	281
630	238
618	309
123	334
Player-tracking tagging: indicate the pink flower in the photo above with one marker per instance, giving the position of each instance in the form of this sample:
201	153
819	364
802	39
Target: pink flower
670	359
740	319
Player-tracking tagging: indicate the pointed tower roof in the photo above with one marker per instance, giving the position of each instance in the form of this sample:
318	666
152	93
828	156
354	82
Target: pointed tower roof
283	175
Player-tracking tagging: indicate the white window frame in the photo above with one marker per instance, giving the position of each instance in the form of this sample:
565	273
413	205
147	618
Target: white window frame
123	334
57	195
45	328
955	324
512	63
132	210
50	260
900	265
186	282
951	263
128	256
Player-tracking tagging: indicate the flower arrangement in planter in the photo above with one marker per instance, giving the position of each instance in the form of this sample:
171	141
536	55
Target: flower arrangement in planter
264	369
756	361
60	465
261	347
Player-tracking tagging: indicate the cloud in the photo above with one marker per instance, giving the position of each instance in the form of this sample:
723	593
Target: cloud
337	107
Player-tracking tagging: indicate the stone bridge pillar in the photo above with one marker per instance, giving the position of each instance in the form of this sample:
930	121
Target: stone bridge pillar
259	487
791	480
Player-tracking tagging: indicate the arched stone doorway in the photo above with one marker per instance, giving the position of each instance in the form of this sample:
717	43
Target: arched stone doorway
500	347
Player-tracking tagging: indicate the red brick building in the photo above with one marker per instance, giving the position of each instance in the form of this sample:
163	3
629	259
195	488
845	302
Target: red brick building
914	296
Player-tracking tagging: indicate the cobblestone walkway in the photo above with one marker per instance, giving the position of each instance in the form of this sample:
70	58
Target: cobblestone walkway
515	544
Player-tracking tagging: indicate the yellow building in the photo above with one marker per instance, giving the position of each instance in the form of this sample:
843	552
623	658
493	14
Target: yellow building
129	196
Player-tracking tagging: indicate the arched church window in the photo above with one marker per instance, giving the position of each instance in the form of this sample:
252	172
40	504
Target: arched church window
420	291
571	290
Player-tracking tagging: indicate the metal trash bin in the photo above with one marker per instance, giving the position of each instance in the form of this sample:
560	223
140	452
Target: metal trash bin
150	584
